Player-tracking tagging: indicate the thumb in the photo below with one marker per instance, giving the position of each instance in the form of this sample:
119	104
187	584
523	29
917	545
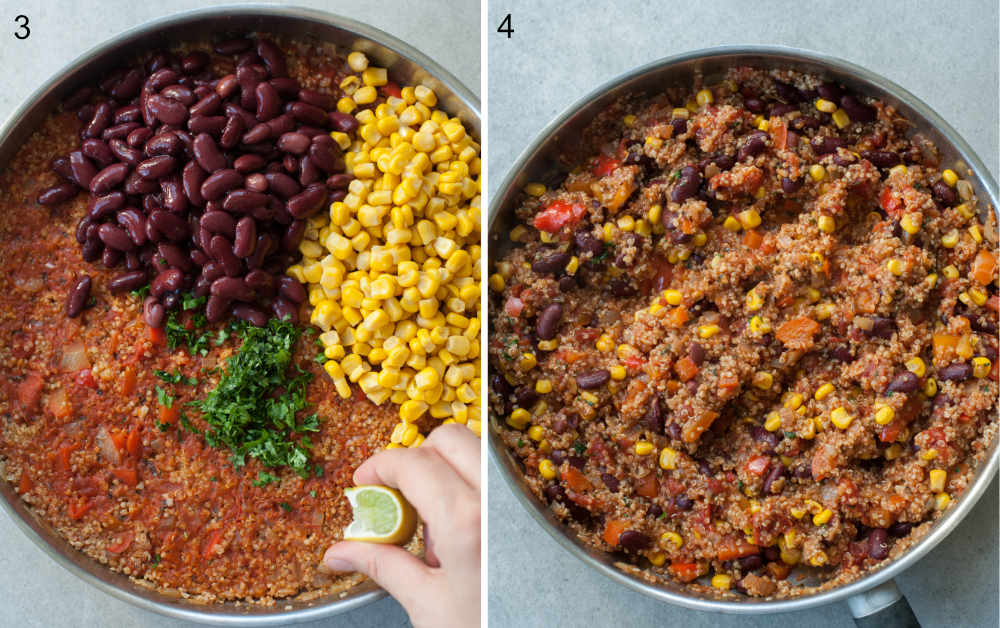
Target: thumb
397	571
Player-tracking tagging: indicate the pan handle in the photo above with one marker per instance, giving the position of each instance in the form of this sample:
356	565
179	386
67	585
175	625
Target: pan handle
882	607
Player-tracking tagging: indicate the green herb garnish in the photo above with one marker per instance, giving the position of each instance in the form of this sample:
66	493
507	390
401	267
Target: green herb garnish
312	493
285	506
264	478
790	435
156	559
165	398
140	293
175	378
580	447
253	409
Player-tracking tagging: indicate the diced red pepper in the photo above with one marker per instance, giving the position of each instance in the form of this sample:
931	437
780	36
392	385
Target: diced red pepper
86	378
685	572
613	530
62	457
890	203
122	543
134	442
757	465
79	508
605	165
558	215
391	88
25	484
213	540
29	391
513	306
126	476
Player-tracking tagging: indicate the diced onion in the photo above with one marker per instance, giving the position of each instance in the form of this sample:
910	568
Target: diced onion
74	357
107	446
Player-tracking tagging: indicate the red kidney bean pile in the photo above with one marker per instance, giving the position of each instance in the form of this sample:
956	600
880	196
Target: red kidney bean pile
202	183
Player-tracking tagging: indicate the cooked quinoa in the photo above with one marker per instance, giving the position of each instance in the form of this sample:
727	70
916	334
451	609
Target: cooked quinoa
750	341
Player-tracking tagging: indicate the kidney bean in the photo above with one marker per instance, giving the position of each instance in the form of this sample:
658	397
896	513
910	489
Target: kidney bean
171	226
175	256
115	238
317	99
293	236
233	46
60	165
207	153
687	185
78	98
222	250
593	379
213	125
91	249
219	183
219	222
157	167
343	122
829	91
308	172
750	563
243	200
842	353
291	289
153	312
325	154
308	202
773	475
956	371
127	281
770	439
697	353
232	132
173	194
633	541
178	93
139	137
856	110
250	313
125	153
165	143
551	264
779	109
119	131
82	228
904	382
258	133
245	164
900	528
273	58
97	150
161	78
169	280
246	237
944	193
882	327
548	321
306	113
881	158
216	308
788	93
167	111
268	101
826	145
232	288
281	125
256	182
82	172
754	145
790	186
59	193
111	258
285	309
878	543
260	281
134	224
108	178
295	143
101	206
99	120
655	416
78	296
588	242
194	62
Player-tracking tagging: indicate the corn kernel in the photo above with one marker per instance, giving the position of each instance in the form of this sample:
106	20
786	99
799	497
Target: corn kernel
793	401
823	391
732	224
976	234
528	362
644	448
825	106
911	223
841	119
605	343
841	418
759	326
707	331
749	218
704	97
884	415
822	517
895	267
826	224
773	421
547	469
753	300
722	581
763	380
981	367
930	387
671	541
817	172
941	501
668	458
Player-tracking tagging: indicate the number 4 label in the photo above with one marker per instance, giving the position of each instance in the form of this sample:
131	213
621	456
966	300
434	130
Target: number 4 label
506	26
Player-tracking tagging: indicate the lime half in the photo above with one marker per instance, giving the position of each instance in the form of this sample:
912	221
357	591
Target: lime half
381	515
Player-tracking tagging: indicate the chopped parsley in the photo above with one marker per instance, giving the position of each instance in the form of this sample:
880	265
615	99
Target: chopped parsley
790	435
321	358
164	398
264	478
156	559
285	507
676	175
520	442
663	515
175	378
253	409
580	447
739	484
140	293
312	493
186	424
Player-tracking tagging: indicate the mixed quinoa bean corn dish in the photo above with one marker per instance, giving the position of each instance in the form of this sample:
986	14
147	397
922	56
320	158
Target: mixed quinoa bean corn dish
231	273
749	342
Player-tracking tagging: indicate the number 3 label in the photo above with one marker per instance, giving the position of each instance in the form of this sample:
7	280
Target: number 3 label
24	31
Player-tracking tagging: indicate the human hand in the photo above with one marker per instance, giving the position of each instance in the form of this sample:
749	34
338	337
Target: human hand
441	479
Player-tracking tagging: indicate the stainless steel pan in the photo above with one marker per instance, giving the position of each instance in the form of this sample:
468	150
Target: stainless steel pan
874	599
406	65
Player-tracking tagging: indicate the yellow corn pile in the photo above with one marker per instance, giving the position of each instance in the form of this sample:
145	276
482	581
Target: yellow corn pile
393	271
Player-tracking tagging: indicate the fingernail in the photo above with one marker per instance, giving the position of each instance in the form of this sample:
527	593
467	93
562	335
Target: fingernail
337	564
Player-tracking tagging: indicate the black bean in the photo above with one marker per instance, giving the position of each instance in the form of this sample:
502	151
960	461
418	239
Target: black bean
683	502
830	91
788	93
900	528
956	371
588	242
842	353
633	541
593	379
780	109
878	543
78	297
944	193
882	327
904	382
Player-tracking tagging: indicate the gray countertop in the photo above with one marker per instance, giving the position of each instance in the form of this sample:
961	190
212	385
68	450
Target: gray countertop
947	56
36	591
